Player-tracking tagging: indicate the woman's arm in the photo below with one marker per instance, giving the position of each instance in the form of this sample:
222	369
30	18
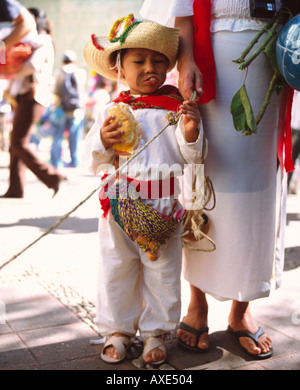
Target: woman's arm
190	77
23	24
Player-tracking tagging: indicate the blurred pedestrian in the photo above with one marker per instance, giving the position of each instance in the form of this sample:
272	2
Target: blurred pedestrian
29	87
101	95
5	116
69	89
295	125
22	21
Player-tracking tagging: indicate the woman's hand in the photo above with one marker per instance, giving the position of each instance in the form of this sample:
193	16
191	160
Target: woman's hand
110	134
190	79
191	119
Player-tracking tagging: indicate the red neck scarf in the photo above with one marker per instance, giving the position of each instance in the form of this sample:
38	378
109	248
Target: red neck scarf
167	97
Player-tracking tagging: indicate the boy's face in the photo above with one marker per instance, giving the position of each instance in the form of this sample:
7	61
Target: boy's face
144	70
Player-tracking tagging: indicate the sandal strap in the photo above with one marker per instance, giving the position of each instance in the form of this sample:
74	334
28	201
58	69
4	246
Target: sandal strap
254	337
118	342
152	343
196	332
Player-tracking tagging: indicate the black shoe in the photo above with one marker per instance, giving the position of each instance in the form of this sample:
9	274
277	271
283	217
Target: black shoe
9	195
56	188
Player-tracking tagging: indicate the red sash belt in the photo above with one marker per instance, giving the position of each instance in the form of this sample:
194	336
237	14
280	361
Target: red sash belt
152	189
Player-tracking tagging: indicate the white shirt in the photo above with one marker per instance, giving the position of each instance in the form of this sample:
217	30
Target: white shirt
232	15
169	150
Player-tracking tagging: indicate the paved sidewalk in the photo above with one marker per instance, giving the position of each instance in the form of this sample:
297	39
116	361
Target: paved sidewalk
47	295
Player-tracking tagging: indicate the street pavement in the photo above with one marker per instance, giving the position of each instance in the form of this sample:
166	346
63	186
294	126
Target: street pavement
47	293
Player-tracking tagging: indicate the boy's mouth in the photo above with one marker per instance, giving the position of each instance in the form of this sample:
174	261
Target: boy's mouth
151	80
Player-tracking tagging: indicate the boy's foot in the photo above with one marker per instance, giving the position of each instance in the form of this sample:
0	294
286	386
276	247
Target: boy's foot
154	351
114	350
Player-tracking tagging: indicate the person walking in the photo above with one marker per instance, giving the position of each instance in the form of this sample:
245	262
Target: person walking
30	89
69	90
295	125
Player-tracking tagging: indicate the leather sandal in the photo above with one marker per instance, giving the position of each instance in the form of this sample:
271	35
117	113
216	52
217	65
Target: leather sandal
120	343
152	343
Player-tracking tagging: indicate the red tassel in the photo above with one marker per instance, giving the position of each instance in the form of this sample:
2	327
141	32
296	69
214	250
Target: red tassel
95	42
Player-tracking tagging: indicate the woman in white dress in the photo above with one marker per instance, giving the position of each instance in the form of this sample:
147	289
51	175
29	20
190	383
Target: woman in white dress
247	223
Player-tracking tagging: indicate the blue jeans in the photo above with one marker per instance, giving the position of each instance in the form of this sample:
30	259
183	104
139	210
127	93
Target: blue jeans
75	126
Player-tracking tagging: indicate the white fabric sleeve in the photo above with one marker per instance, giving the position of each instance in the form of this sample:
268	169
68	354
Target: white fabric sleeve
191	151
97	158
165	11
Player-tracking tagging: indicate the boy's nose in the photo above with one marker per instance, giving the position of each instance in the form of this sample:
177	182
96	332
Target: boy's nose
149	67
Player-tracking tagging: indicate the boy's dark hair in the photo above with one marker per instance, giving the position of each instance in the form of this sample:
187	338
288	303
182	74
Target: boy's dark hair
115	54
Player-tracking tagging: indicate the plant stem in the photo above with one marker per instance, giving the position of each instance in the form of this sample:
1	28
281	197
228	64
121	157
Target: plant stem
253	42
270	35
267	98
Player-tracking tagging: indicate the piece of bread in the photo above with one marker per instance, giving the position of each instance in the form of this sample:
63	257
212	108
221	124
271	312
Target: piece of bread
130	126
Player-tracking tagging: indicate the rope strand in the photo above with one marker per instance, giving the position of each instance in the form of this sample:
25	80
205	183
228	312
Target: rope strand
103	183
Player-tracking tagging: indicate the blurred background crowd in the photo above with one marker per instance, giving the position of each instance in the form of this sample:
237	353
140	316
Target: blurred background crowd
48	95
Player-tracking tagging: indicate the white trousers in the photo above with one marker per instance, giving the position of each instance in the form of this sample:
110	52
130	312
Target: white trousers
135	293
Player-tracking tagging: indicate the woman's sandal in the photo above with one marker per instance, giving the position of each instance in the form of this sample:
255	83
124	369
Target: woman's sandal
254	337
120	343
195	332
152	343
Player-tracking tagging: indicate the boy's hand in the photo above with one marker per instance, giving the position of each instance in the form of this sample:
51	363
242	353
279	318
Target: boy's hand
191	119
110	134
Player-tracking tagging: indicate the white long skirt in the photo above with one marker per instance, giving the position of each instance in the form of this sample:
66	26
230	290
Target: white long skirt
247	223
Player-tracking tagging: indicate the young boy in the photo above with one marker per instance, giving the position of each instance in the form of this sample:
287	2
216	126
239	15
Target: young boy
135	293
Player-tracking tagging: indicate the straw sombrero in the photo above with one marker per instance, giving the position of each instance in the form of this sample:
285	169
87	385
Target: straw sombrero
142	34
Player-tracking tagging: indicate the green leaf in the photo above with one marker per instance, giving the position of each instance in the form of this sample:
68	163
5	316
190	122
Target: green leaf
242	113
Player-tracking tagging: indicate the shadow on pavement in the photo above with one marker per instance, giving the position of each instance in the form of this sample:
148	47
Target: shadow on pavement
72	224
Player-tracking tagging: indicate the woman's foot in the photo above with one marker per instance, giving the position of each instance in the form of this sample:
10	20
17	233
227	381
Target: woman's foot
240	319
195	318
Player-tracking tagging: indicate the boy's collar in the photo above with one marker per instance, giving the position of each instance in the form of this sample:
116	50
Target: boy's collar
167	97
